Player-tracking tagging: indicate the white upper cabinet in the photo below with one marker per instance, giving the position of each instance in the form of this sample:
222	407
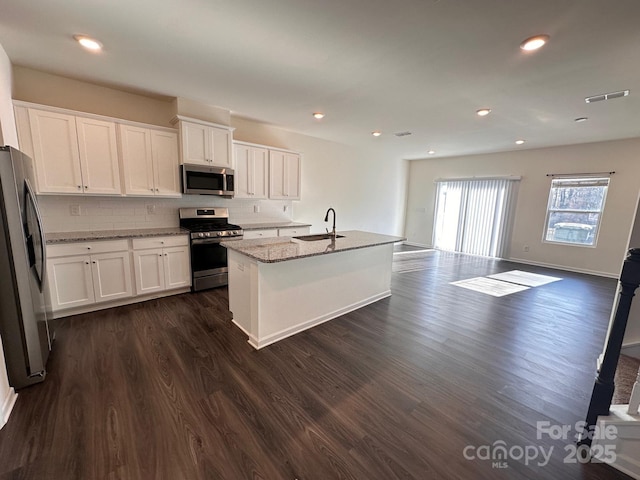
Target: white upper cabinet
149	161
74	154
251	170
98	156
284	175
205	143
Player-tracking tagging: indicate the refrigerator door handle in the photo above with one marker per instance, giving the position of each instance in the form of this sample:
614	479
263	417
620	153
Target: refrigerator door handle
32	198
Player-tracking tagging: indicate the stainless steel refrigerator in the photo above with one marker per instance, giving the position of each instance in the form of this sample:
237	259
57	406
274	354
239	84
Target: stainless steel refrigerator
23	313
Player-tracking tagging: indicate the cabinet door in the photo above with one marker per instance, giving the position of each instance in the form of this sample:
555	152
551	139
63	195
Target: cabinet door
195	143
260	173
292	176
166	175
111	276
55	151
177	272
148	266
98	156
243	179
284	175
70	282
137	161
220	147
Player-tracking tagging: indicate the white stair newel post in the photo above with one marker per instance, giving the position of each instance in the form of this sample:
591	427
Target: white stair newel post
634	401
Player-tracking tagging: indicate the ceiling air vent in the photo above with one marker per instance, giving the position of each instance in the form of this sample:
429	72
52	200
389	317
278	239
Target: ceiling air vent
402	134
606	96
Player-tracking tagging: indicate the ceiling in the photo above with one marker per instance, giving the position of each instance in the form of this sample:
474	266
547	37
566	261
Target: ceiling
423	66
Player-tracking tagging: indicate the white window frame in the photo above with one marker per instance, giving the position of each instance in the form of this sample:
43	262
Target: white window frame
576	178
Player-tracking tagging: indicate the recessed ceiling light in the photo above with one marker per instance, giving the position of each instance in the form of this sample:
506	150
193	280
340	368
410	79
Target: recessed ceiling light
519	142
581	119
88	43
318	115
431	152
534	43
483	112
376	133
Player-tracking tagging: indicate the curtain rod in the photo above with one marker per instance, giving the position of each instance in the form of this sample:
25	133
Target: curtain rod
579	174
491	177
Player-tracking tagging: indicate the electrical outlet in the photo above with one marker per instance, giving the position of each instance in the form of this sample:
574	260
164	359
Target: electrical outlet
256	209
74	210
525	248
151	209
285	208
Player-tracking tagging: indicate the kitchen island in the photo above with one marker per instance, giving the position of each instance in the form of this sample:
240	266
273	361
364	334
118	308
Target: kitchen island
281	286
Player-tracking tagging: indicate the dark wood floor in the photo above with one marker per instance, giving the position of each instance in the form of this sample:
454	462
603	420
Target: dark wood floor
169	389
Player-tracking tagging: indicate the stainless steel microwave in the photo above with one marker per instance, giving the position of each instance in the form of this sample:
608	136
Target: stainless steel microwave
205	180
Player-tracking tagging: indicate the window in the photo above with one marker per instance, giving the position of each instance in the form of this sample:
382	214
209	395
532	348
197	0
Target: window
575	209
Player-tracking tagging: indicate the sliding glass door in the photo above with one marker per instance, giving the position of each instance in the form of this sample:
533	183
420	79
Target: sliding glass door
474	216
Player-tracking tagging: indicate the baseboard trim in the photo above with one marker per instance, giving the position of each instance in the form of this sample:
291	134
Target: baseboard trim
287	332
631	349
7	406
416	244
561	267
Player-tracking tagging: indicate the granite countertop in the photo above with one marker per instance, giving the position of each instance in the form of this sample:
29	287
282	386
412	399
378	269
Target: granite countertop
69	237
280	249
263	226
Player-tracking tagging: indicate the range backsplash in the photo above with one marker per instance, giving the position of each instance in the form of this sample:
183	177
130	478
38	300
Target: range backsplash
81	213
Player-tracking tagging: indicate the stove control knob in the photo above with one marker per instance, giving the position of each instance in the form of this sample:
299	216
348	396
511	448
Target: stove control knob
201	235
235	232
207	234
220	234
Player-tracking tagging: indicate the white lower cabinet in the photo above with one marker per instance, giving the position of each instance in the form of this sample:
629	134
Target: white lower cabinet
264	233
82	274
79	280
293	231
164	267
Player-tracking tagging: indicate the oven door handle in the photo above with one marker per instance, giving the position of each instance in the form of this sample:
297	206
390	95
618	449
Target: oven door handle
204	241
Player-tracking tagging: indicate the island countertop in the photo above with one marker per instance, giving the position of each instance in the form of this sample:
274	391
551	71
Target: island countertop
280	249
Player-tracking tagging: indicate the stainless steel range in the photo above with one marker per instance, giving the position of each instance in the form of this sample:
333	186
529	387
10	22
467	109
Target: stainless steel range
209	226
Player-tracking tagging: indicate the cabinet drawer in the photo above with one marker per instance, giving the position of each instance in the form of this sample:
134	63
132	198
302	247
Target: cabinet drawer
292	232
82	248
250	234
160	242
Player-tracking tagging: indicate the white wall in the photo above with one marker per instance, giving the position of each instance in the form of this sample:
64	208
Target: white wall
621	156
365	187
9	137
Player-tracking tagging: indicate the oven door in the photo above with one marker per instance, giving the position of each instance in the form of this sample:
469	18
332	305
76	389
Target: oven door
208	257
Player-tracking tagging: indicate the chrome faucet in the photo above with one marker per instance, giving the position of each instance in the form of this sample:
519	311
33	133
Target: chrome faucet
326	219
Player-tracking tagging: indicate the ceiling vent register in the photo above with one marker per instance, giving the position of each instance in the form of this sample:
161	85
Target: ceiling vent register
607	96
402	134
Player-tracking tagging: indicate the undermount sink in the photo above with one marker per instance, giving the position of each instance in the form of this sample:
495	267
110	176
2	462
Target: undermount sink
317	236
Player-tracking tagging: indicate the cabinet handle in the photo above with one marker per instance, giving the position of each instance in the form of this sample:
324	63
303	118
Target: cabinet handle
86	187
157	190
93	261
86	263
165	254
159	254
79	187
88	248
151	189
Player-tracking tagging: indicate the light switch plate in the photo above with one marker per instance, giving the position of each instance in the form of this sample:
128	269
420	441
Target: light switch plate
74	210
151	209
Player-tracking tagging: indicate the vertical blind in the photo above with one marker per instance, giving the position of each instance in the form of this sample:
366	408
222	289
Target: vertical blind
475	216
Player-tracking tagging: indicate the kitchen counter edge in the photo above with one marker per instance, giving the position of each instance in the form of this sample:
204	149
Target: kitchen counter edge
268	225
282	249
71	237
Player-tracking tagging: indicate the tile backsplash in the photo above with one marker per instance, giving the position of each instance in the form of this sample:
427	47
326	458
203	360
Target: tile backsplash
70	213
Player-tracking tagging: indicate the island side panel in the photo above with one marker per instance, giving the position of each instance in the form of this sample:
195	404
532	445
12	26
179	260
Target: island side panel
298	294
243	278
